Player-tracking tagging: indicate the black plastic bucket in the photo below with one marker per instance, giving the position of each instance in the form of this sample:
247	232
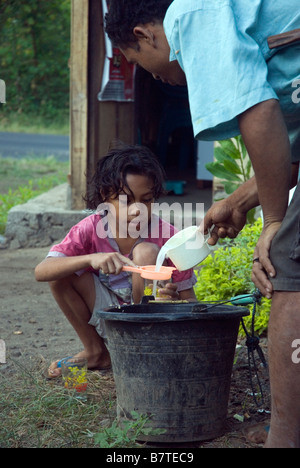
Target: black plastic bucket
173	362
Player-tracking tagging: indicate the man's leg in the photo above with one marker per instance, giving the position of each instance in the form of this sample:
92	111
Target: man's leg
284	328
75	296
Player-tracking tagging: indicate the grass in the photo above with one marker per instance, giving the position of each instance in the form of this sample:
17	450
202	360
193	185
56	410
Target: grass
23	179
22	123
17	172
38	413
43	414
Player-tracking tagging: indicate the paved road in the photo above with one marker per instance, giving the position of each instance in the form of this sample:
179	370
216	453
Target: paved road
18	145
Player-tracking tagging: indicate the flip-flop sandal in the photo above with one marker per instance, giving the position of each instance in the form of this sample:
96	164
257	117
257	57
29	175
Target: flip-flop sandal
102	371
58	366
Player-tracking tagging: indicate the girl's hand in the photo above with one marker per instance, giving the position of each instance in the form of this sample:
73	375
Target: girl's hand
109	262
169	291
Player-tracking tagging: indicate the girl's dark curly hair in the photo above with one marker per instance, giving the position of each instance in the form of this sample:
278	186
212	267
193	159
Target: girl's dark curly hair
109	179
124	15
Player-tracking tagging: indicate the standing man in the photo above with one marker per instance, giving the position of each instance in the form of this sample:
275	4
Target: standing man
237	84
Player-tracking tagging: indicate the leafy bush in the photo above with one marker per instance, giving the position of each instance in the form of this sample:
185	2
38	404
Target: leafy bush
232	166
126	433
21	196
23	179
227	273
34	54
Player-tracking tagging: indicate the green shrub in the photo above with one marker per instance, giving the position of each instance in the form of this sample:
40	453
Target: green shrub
19	197
34	54
26	178
125	434
232	166
227	273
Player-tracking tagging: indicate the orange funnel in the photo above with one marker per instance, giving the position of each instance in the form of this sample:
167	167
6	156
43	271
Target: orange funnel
148	272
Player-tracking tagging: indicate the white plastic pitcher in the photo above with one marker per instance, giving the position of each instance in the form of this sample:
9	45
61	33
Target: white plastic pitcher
188	248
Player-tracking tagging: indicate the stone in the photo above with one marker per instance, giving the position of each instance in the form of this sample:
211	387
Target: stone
3	242
42	221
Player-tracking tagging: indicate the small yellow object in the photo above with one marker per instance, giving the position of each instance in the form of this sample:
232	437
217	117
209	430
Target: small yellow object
77	380
147	291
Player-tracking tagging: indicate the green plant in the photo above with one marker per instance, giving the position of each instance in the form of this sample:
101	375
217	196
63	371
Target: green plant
227	273
34	53
232	166
20	196
126	433
23	179
12	121
37	413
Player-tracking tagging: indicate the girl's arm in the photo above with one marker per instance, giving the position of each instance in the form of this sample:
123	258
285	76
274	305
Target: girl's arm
188	295
171	290
55	268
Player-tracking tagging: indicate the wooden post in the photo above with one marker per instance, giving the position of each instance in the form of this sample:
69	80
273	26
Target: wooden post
79	101
107	120
94	124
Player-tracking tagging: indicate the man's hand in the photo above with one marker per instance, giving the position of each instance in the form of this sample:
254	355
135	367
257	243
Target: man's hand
262	267
227	219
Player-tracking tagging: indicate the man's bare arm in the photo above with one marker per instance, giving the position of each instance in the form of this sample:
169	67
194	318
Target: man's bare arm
265	135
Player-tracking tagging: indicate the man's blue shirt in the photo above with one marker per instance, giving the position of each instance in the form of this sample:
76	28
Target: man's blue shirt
222	47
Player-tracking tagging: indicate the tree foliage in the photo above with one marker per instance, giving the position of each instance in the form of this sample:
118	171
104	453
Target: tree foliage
34	54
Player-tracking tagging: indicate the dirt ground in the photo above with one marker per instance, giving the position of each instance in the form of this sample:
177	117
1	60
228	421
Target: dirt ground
33	327
31	323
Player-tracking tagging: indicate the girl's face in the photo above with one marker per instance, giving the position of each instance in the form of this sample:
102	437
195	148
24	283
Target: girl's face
132	208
